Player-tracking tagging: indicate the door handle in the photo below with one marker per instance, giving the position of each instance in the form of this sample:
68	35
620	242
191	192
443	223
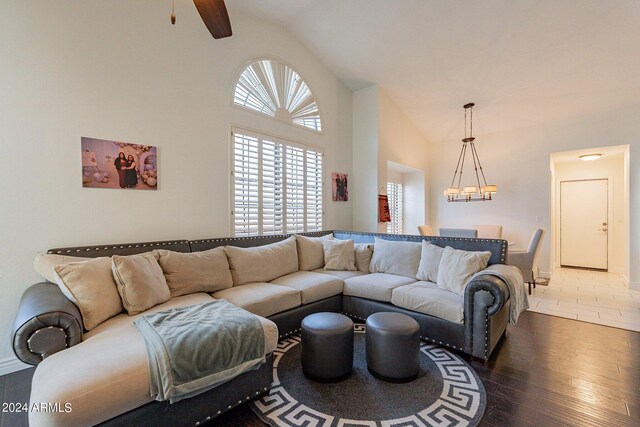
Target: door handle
602	229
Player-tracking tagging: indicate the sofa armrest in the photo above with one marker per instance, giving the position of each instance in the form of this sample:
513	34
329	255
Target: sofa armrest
46	323
490	283
486	300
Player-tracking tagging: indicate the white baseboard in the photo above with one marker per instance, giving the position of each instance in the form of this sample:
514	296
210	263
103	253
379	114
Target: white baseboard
11	364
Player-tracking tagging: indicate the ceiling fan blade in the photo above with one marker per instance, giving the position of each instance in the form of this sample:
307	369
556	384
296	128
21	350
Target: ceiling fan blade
215	17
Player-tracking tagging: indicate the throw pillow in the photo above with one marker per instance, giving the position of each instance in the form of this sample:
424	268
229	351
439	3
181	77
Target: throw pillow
44	263
90	286
401	258
363	253
339	255
429	261
310	252
262	263
187	273
457	266
140	281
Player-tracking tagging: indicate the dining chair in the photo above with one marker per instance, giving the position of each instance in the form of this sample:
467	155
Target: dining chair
524	259
489	231
425	230
458	232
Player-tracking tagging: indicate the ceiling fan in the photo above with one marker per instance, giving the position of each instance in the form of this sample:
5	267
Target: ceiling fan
215	17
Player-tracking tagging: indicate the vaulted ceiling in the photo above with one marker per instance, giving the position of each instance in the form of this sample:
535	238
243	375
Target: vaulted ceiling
523	62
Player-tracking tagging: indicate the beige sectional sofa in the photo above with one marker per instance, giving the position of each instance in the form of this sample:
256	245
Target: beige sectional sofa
103	373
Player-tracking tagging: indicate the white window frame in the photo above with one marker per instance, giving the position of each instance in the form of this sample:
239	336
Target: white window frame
395	196
306	153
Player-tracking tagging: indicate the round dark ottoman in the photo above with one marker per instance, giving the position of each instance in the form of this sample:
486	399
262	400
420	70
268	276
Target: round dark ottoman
327	347
393	347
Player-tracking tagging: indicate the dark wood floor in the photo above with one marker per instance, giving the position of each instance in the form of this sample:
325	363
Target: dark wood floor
548	371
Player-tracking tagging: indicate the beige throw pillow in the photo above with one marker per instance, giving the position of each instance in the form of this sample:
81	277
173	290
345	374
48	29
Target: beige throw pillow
339	255
395	257
363	253
429	261
262	263
90	286
310	252
457	266
188	273
44	263
140	281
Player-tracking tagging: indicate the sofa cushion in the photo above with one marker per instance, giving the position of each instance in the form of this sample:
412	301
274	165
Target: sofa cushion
262	263
400	258
340	274
428	298
263	299
44	263
430	257
457	267
187	273
363	253
339	255
140	281
375	286
312	286
310	252
90	286
108	373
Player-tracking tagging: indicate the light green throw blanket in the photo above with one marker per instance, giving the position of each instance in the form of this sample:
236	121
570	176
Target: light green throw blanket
193	349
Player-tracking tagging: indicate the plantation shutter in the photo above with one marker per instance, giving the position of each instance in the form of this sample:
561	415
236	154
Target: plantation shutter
295	189
314	191
277	187
272	188
394	194
246	185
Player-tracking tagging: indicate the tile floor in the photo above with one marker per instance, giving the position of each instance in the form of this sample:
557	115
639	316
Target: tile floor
589	296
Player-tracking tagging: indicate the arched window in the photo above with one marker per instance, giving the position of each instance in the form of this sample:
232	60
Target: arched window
275	89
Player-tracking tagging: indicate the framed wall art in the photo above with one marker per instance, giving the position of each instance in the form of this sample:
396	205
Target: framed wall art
119	165
339	187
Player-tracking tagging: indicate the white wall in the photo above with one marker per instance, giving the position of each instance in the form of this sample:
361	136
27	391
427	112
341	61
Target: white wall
382	134
413	188
414	201
518	162
364	185
118	70
611	168
399	141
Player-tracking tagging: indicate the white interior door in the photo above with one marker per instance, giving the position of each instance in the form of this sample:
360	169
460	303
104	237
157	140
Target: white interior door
584	223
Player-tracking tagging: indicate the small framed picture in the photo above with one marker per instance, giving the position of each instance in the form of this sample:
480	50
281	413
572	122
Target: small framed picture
119	165
340	187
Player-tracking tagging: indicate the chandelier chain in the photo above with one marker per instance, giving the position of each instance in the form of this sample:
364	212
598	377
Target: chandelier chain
456	171
484	179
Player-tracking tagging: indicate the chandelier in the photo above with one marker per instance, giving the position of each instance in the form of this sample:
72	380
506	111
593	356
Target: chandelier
469	193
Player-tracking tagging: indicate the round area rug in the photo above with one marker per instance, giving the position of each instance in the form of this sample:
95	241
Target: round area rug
446	392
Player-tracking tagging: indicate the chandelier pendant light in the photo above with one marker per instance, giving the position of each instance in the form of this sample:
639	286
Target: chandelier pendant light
469	193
